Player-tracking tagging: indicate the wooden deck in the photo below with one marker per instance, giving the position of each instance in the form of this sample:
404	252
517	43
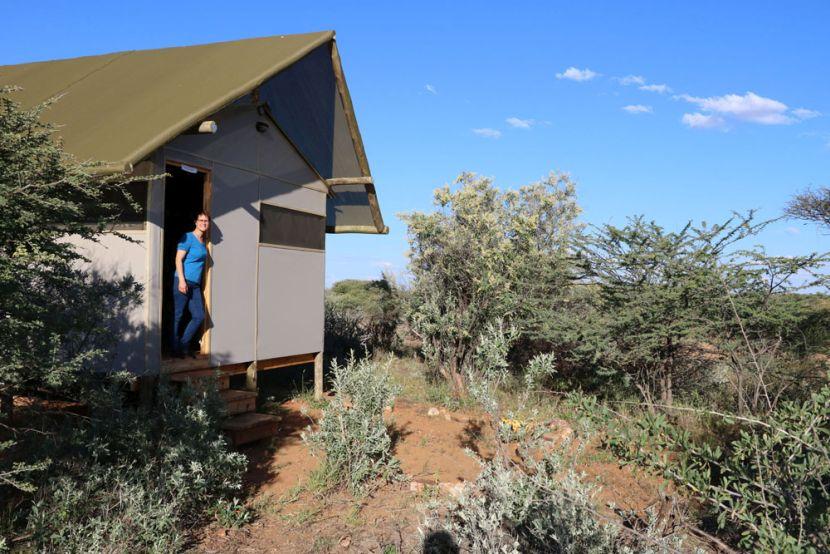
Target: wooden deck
201	362
243	424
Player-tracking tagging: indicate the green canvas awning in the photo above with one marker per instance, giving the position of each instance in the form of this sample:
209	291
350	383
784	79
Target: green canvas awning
118	108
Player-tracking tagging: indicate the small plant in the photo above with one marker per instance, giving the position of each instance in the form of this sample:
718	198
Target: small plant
232	513
353	436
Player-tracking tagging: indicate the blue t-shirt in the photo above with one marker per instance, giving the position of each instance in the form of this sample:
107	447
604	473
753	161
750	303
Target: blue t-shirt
194	261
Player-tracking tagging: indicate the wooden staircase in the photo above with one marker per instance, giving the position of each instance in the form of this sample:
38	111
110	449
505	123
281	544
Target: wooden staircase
242	424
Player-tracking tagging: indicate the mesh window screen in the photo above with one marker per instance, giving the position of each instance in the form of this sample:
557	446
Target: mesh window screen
284	227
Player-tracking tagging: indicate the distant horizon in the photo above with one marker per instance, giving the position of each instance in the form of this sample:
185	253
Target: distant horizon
674	112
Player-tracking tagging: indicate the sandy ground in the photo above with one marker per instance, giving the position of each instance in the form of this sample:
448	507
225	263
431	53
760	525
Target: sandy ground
291	518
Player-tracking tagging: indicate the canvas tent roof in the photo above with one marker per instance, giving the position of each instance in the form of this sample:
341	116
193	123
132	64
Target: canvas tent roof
118	108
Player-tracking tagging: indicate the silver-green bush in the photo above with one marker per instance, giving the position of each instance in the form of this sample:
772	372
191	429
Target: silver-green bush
539	506
353	437
134	479
542	507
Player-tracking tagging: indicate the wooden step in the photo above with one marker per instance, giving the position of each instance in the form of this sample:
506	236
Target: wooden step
238	401
173	365
199	378
249	427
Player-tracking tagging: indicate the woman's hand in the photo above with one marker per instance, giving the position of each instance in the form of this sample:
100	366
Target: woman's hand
182	286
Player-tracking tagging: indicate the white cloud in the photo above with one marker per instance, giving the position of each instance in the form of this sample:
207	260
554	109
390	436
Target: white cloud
574	74
632	80
804	113
793	230
660	89
749	107
519	123
702	121
638	108
487	132
430	89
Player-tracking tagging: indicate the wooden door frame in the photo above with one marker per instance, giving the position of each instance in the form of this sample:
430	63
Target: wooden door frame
207	196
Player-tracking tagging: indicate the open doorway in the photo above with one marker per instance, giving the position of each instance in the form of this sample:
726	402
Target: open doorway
186	193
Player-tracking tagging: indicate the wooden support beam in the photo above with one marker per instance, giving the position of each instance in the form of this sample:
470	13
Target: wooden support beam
250	379
318	376
285	361
334	181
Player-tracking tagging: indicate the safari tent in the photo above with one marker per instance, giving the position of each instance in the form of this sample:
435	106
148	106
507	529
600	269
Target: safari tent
261	133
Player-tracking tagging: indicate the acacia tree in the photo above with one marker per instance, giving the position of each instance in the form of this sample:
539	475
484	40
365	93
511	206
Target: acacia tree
671	305
811	205
53	323
478	259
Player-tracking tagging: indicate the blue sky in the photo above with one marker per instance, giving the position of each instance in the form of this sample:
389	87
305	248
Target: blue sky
514	90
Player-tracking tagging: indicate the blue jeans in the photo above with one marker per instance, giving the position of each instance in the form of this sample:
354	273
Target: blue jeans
193	301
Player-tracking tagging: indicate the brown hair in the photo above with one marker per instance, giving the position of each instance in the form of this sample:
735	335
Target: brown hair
202	213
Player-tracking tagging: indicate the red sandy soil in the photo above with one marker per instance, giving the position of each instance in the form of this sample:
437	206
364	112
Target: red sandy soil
430	450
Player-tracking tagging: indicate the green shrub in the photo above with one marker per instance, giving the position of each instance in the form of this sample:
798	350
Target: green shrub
352	436
55	322
344	334
773	481
134	479
375	305
56	319
115	511
767	487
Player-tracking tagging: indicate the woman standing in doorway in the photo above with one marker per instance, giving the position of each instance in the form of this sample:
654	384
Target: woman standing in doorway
191	254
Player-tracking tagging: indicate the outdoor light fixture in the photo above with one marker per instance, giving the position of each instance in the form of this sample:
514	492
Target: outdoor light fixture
261	126
208	127
204	128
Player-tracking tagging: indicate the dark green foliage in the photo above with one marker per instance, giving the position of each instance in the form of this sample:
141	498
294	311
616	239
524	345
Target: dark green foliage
53	315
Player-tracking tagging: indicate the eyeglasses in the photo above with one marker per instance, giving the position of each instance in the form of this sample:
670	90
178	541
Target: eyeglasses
202	221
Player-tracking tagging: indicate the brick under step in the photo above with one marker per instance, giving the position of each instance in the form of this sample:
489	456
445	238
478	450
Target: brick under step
249	427
238	401
222	380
